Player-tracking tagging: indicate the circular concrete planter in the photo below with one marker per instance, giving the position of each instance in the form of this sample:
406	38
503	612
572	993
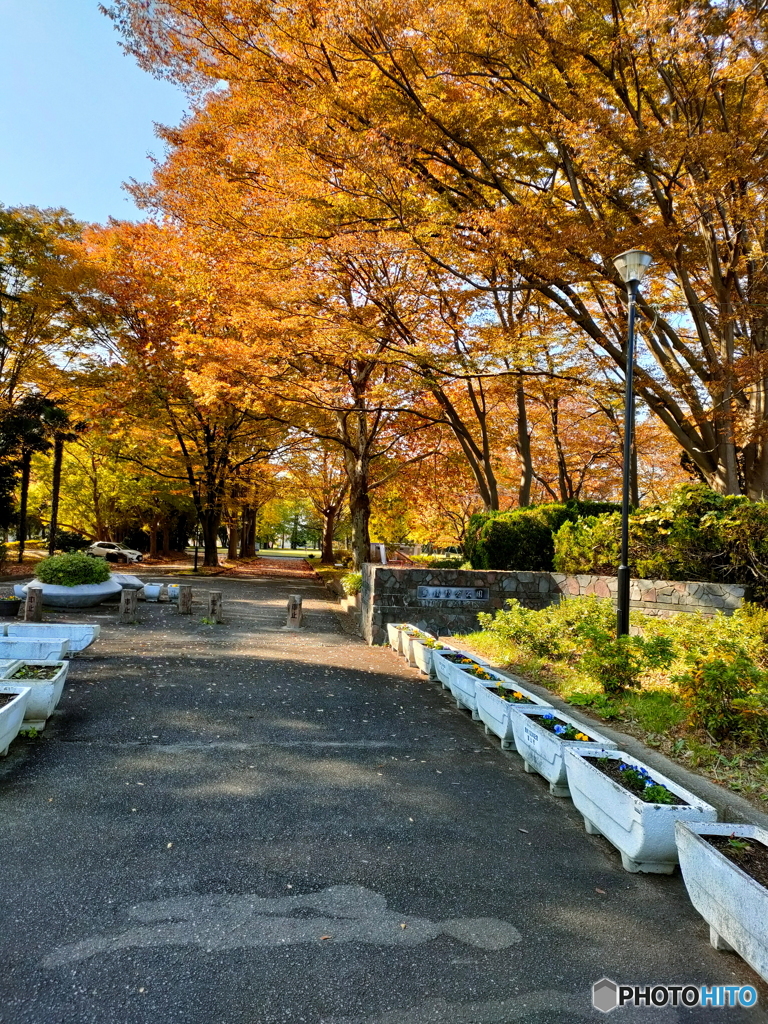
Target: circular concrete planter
643	833
733	903
85	595
12	716
44	695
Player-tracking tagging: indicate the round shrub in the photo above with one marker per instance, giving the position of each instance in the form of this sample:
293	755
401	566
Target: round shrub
72	570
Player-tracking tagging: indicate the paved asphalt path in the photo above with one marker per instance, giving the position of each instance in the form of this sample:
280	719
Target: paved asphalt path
238	825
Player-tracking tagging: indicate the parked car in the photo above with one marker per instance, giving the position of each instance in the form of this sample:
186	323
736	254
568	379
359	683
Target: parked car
114	552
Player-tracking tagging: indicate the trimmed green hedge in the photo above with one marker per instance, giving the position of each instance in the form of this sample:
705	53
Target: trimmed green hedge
696	535
72	570
523	538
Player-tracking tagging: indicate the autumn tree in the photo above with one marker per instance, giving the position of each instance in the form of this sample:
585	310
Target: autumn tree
532	142
155	296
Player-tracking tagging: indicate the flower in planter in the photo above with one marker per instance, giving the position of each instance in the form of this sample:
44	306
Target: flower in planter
640	782
564	730
513	696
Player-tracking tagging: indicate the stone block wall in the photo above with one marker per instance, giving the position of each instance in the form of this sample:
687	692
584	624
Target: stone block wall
390	594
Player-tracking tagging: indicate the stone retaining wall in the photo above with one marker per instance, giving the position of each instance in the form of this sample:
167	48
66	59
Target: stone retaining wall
390	594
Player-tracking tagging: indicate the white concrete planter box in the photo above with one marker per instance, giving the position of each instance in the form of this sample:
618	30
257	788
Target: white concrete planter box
444	668
50	649
79	636
422	657
86	595
393	632
44	695
542	750
173	592
464	687
496	713
151	592
12	716
409	643
398	640
643	833
7	665
733	904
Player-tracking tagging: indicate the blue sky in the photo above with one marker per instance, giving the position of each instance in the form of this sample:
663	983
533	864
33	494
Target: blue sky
76	114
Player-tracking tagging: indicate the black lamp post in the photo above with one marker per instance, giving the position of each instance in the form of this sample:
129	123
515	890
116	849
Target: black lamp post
631	266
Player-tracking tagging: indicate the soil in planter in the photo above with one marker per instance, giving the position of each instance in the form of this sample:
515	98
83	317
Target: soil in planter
36	672
610	766
6	698
753	858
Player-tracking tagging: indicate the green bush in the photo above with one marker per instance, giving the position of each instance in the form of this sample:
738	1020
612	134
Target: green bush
72	570
726	697
554	632
617	662
522	539
66	540
696	535
352	583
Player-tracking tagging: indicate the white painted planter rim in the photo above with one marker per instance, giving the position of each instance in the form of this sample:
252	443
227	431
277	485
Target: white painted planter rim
691	800
595	738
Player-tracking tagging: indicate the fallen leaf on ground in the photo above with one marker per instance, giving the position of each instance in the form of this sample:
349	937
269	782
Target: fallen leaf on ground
601	891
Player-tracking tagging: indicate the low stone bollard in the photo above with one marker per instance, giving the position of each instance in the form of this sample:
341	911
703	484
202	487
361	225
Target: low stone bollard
215	605
129	603
295	612
33	605
185	599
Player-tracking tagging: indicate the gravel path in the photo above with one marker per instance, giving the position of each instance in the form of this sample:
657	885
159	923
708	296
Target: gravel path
239	825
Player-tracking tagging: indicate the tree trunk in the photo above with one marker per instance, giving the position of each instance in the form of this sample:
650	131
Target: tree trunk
234	536
26	465
209	526
58	455
329	525
166	540
524	450
360	513
153	540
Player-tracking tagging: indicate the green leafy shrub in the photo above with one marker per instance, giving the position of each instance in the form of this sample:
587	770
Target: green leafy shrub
726	697
553	632
522	539
72	570
696	535
352	583
590	545
617	662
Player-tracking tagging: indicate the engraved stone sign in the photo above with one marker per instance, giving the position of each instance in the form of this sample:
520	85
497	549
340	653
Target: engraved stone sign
452	593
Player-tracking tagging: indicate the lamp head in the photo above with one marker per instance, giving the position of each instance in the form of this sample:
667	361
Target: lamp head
632	265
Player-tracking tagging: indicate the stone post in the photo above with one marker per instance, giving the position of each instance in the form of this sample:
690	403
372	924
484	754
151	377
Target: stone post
185	599
215	605
129	603
33	606
295	612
